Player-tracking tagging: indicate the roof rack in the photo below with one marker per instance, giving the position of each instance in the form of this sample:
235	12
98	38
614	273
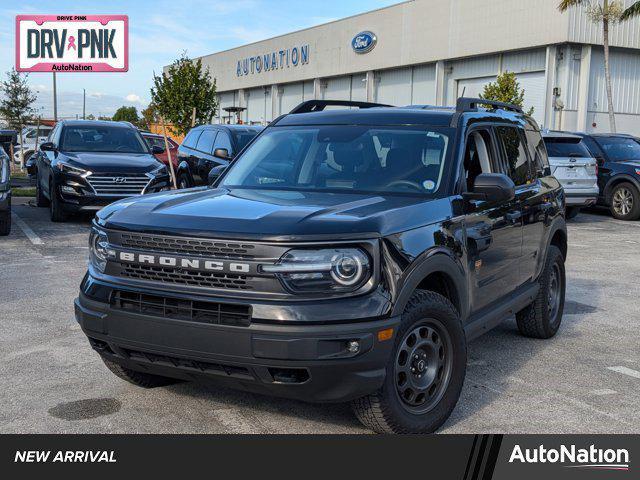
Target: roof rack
465	104
320	105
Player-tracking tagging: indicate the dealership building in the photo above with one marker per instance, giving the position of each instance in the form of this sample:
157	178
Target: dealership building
434	51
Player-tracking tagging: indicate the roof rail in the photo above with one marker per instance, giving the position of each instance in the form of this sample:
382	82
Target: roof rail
320	105
465	104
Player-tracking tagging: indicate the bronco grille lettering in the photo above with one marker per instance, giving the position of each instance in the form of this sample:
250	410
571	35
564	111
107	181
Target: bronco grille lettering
189	263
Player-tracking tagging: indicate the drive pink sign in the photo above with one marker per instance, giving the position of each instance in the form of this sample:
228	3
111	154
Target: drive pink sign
72	43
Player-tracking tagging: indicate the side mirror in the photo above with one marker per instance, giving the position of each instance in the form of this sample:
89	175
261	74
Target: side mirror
222	153
157	150
215	173
492	187
48	147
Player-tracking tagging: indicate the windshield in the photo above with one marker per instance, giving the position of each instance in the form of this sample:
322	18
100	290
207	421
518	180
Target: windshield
566	147
359	158
619	149
102	139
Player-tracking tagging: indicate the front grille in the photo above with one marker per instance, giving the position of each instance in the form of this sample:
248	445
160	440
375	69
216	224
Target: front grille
181	309
189	246
188	364
118	185
177	276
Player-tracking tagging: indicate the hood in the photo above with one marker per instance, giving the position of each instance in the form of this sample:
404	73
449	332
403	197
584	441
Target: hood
117	163
272	214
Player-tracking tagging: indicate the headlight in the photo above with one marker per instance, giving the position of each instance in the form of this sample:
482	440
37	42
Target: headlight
4	170
338	270
99	250
66	168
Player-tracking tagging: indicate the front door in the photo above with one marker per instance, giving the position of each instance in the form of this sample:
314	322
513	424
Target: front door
494	231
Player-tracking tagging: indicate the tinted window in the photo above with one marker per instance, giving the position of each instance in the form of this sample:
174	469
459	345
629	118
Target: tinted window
566	147
516	155
244	137
618	148
155	141
537	151
205	142
102	139
191	139
363	158
223	141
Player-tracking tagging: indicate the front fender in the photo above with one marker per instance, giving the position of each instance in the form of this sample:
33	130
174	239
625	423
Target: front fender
437	260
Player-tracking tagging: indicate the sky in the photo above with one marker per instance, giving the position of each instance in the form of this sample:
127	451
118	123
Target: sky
159	32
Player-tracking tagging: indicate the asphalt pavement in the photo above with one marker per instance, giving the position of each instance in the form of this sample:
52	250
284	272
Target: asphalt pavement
585	380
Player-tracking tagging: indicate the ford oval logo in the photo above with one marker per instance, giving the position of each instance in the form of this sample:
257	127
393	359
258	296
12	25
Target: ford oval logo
364	42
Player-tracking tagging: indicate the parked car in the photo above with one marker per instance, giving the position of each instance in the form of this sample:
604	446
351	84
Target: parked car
31	135
345	255
618	158
209	146
5	193
576	169
155	140
88	164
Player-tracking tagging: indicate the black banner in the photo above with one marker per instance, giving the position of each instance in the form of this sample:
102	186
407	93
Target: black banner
456	457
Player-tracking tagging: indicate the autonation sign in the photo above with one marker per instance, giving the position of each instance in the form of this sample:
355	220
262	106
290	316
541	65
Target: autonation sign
289	57
70	43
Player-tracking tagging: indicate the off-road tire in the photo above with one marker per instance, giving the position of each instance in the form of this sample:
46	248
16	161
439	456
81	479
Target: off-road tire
5	223
140	379
41	200
383	411
628	189
535	320
55	207
572	212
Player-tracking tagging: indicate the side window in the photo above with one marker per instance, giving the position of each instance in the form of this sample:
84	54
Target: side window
191	139
53	134
515	154
223	141
479	155
205	142
537	151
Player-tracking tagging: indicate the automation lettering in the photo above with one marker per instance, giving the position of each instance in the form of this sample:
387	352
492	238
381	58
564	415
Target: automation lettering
290	57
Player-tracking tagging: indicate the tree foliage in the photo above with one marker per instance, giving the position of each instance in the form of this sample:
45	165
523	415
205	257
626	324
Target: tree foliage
505	89
149	116
126	114
185	86
16	105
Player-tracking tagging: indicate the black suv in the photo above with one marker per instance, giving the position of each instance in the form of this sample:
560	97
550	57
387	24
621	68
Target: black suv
346	255
85	165
210	146
618	157
5	193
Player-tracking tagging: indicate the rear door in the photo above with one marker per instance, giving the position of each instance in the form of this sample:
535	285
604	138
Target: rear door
571	162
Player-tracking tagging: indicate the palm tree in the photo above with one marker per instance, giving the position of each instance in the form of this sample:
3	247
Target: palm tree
608	13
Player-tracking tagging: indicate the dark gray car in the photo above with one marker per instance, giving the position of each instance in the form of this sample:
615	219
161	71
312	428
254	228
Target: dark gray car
5	194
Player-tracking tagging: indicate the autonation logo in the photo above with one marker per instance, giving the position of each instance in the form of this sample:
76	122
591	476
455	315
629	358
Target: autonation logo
574	457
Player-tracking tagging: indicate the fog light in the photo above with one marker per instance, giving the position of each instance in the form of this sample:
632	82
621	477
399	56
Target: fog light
353	346
68	190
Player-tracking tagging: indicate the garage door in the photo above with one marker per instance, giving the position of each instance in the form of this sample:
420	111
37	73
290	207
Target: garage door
394	87
473	87
424	85
256	105
290	97
338	88
534	93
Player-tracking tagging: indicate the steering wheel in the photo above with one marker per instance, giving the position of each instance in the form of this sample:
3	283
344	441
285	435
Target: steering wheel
405	183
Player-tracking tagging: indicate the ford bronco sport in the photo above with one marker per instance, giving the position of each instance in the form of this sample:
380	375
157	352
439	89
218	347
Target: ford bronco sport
345	255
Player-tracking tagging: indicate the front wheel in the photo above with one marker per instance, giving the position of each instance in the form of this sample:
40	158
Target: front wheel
542	318
5	223
425	372
55	206
183	182
625	202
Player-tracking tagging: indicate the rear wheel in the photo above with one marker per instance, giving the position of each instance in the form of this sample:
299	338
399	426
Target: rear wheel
542	318
55	206
425	372
572	212
140	379
625	202
183	181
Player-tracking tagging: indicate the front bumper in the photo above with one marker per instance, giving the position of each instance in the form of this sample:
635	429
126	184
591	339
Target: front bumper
306	362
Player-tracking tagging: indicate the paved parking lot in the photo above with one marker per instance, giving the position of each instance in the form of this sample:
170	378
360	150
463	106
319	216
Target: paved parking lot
586	380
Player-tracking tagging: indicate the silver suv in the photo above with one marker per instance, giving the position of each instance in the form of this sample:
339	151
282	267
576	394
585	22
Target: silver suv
572	164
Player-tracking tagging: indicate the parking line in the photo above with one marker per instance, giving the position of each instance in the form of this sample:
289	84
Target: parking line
625	371
31	235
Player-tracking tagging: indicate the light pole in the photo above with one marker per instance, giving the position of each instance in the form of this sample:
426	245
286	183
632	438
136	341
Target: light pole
84	103
55	99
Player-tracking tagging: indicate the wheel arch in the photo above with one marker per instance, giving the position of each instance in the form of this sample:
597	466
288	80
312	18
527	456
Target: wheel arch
617	180
183	169
436	271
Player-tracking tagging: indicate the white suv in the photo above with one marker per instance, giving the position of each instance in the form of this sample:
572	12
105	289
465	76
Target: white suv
29	135
572	164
